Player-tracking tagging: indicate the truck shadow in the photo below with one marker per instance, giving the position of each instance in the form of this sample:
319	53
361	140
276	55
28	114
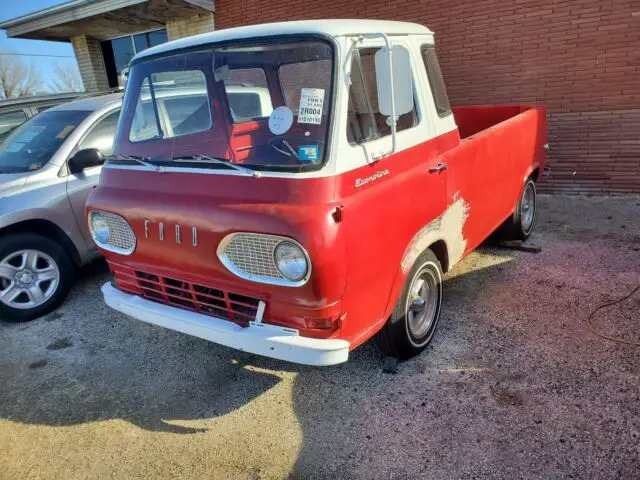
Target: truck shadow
360	417
64	370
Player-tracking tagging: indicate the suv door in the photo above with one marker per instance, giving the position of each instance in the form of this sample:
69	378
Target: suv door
80	185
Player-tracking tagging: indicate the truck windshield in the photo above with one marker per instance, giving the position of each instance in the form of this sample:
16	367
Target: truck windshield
31	145
264	105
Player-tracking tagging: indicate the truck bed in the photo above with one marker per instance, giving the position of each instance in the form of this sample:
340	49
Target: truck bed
476	118
500	148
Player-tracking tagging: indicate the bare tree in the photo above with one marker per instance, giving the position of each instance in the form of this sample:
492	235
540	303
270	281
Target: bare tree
17	77
66	78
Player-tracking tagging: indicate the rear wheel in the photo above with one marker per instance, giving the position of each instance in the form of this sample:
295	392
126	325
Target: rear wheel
520	225
413	322
35	276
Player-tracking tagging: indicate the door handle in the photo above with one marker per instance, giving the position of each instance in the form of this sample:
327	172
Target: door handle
441	167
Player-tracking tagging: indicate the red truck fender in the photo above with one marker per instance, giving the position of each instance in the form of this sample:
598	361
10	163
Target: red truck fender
444	236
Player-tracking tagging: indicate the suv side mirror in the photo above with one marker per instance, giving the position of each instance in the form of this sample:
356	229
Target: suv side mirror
86	158
396	81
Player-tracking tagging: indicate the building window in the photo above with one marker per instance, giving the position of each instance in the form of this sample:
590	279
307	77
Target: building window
118	52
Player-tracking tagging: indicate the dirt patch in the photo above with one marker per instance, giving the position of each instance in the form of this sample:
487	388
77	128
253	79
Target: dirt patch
507	397
54	316
60	344
38	364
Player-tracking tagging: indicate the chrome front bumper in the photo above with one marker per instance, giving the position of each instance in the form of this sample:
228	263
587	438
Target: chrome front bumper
259	338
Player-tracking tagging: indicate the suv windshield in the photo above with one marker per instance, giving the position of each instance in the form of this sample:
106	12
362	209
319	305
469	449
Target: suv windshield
264	105
31	145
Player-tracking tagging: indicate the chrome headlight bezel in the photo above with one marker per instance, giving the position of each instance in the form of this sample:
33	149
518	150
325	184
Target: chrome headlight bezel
123	224
267	255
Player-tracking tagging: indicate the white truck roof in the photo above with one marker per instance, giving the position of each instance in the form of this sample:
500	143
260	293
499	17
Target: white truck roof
332	28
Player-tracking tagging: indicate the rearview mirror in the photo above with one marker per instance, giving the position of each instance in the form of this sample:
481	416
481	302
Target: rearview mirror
398	81
86	158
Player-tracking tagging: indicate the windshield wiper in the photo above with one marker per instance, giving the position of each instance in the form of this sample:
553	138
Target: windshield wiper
140	160
218	161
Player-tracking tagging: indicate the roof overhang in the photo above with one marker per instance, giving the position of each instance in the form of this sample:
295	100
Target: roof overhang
102	19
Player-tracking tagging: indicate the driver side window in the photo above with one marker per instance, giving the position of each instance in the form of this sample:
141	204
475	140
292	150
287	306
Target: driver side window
102	134
365	122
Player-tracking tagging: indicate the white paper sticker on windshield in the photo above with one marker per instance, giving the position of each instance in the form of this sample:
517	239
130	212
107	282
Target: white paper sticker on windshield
15	147
311	100
30	133
280	120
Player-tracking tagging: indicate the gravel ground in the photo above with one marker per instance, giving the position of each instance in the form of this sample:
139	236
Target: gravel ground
513	385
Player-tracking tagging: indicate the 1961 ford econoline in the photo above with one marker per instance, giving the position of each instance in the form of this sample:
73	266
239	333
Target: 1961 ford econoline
319	208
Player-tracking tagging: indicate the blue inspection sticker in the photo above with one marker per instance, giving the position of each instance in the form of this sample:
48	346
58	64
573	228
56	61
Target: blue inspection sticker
308	153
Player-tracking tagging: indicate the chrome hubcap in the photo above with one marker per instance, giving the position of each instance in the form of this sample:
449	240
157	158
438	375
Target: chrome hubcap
28	278
527	208
422	304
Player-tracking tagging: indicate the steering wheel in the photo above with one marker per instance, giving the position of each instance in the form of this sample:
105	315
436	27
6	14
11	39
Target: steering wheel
282	145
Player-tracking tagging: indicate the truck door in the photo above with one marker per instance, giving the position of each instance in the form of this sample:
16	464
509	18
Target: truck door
389	201
80	185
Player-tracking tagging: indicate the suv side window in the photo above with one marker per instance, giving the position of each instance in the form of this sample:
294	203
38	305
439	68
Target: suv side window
365	122
101	135
436	81
10	120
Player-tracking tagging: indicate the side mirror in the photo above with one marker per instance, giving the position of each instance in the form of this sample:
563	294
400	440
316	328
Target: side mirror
397	81
86	158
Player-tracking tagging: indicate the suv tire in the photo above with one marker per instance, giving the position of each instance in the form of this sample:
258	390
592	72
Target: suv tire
36	275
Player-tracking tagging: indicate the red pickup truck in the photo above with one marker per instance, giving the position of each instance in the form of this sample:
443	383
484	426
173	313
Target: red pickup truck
294	189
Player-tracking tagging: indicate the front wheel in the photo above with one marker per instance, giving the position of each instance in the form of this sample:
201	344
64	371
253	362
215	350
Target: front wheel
35	276
413	322
520	224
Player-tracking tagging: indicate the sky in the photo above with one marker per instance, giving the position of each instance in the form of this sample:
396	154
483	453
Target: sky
53	52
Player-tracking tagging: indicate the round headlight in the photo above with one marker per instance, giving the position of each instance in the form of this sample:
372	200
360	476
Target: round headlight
100	229
291	261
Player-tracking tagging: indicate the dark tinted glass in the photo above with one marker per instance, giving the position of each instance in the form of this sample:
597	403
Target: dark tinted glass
101	135
31	146
10	120
157	37
436	81
122	52
141	41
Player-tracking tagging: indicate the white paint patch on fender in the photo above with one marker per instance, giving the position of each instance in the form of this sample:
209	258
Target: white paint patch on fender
447	227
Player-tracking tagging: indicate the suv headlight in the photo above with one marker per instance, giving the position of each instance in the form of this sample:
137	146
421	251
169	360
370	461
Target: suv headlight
263	258
291	261
112	232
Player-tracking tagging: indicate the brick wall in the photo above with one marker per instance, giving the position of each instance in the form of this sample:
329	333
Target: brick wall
580	58
185	27
90	63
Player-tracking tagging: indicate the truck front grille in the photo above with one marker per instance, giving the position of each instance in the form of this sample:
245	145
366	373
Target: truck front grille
192	296
253	254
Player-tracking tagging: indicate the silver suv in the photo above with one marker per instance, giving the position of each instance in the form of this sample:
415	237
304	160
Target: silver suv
48	167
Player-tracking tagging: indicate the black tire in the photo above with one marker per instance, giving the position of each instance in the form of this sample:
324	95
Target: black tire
27	241
519	226
397	338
